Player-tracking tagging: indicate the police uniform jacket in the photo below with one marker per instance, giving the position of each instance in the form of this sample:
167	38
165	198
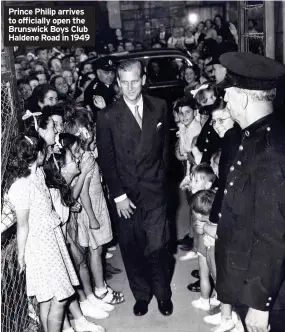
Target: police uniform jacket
96	87
230	143
250	246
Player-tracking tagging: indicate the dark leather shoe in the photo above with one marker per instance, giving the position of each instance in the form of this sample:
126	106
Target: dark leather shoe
184	240
140	308
195	287
165	307
186	247
195	274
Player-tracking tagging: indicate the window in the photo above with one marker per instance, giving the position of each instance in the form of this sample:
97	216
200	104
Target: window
163	69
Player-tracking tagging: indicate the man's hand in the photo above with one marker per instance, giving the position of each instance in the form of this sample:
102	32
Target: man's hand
257	320
125	207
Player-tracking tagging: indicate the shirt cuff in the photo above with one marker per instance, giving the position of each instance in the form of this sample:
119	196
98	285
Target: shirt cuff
120	198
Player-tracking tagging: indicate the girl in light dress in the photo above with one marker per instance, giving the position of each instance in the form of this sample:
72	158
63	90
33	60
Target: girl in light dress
42	251
60	171
94	225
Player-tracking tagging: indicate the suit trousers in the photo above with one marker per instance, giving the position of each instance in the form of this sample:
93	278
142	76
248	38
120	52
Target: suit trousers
143	241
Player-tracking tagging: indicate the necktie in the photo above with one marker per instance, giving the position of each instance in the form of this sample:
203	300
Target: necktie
137	116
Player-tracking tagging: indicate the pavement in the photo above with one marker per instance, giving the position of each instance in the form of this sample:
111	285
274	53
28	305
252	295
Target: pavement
185	318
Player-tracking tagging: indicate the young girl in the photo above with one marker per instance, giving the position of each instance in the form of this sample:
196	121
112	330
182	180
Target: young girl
94	225
42	251
60	171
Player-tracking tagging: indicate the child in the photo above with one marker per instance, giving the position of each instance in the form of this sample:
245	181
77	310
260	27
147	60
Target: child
94	225
201	178
201	204
205	95
60	171
42	251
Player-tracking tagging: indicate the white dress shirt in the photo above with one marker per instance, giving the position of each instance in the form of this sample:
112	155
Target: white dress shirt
132	109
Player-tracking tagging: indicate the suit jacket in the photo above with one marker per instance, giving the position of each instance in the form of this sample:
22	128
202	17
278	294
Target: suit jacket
250	249
134	161
156	39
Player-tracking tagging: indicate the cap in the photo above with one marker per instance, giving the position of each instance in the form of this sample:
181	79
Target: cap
106	63
250	71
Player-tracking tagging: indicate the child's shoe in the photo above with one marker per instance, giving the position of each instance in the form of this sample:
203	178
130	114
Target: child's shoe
108	255
82	325
214	301
225	325
189	255
216	319
203	304
100	304
90	310
108	295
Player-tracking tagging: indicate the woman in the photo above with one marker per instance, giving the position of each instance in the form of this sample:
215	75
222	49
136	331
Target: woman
209	31
189	39
199	35
61	87
223	29
43	95
190	76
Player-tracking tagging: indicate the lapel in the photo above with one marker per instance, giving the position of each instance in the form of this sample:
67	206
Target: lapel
127	122
147	127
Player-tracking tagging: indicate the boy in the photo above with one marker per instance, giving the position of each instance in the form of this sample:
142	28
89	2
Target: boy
201	204
202	178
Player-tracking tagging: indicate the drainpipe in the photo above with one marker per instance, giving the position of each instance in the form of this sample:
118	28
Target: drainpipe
269	28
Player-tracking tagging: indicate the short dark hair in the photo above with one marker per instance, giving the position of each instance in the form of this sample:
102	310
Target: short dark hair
31	78
39	49
183	102
202	201
205	170
129	64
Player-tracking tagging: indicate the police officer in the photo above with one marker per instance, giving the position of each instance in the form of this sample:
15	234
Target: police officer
101	92
250	245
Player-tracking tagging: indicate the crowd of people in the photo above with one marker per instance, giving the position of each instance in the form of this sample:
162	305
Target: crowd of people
93	151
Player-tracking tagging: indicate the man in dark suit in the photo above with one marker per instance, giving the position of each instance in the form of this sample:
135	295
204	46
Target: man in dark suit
132	139
162	36
250	245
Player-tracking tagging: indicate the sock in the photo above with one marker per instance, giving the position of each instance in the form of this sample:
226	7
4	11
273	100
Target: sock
204	301
80	320
92	297
100	291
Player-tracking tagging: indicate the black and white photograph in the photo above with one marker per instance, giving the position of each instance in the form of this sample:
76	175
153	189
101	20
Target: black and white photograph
143	166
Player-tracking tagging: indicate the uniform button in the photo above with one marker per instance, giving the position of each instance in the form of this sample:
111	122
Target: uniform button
239	162
207	141
232	168
220	215
268	128
240	148
231	184
205	150
267	304
225	191
247	133
209	132
270	298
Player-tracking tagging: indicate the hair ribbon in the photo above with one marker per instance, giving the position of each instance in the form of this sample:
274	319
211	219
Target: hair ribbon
202	87
28	114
